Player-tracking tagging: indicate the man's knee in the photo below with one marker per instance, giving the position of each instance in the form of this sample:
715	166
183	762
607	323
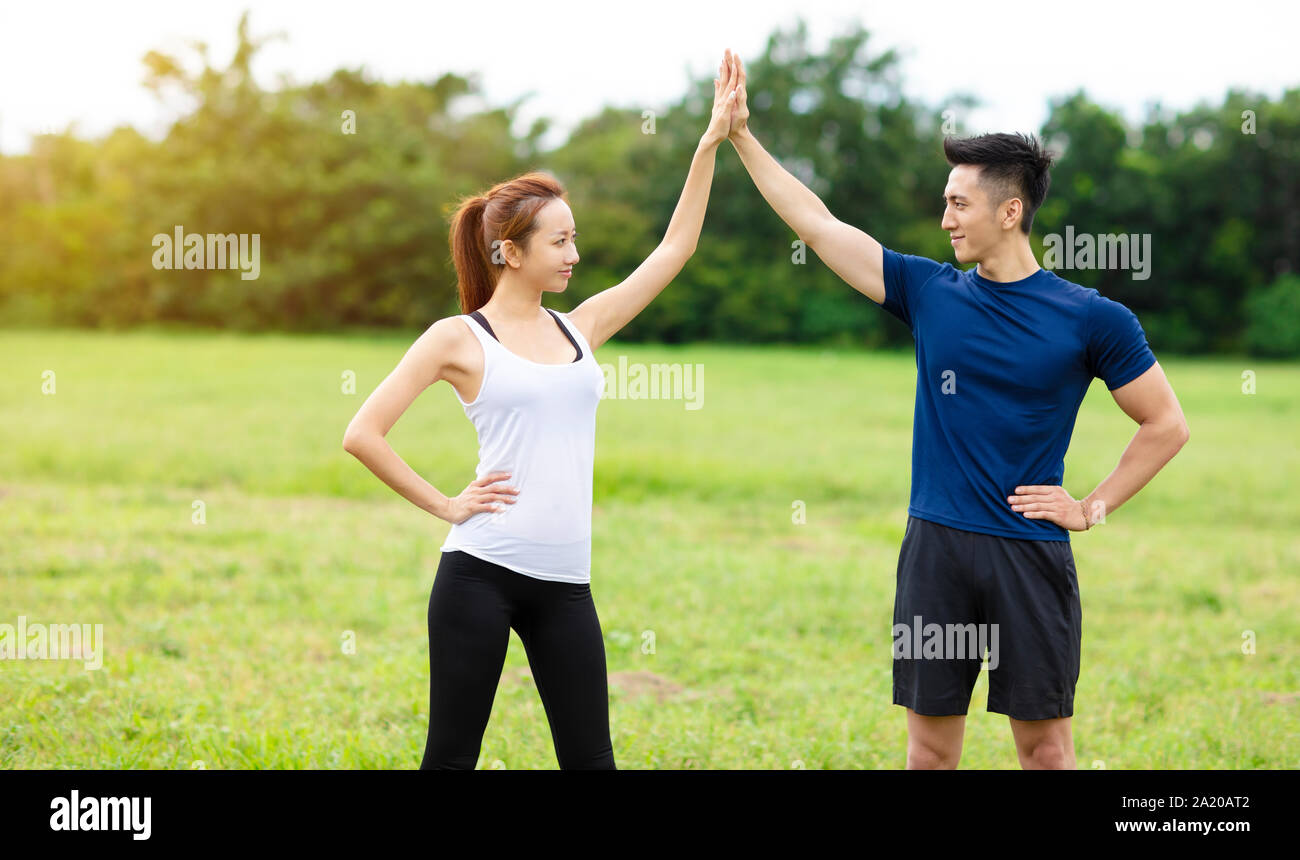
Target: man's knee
924	756
931	749
1047	754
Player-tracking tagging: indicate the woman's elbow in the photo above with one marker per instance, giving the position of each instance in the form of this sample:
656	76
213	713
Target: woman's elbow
354	440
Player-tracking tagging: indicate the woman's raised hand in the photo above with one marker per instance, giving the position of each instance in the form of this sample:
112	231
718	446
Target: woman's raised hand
724	98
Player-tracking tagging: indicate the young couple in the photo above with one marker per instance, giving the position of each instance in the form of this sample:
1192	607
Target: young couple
1005	353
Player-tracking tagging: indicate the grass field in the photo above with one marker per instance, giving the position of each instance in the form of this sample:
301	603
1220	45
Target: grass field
223	641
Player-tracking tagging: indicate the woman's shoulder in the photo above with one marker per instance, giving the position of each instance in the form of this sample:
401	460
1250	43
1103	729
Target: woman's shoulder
449	329
439	348
446	341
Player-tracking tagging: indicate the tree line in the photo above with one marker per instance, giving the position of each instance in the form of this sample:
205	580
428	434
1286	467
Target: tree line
349	182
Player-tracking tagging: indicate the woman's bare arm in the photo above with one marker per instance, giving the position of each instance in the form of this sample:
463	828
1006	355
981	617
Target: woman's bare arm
602	315
426	362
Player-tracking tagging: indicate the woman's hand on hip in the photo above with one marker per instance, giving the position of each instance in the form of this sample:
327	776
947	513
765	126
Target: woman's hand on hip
484	494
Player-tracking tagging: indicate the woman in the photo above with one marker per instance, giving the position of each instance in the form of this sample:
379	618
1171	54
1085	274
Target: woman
519	550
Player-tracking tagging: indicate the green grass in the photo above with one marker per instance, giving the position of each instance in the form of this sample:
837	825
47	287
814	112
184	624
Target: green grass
223	640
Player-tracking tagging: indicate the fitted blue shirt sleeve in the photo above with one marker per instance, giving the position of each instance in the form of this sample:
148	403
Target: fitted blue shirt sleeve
904	276
1118	351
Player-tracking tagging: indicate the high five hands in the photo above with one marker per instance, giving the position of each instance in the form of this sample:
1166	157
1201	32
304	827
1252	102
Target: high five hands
730	110
733	67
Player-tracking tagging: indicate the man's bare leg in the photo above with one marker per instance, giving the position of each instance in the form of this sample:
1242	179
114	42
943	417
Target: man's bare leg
934	743
1044	744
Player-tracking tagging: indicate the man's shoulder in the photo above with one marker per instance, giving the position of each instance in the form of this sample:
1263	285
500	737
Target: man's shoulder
1076	297
1090	298
1064	283
917	264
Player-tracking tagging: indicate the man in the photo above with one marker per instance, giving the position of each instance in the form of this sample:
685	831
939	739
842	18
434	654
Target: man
1005	353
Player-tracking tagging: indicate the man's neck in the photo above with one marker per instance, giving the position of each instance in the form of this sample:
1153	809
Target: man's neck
1012	262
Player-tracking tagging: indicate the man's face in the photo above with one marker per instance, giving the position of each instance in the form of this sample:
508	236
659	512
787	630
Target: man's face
970	217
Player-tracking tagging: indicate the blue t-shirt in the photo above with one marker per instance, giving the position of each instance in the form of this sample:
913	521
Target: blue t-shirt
1001	369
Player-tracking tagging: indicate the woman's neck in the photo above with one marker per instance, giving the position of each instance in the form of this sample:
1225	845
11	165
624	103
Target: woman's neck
513	301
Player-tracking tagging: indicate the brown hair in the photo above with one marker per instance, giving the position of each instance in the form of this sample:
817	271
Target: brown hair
507	211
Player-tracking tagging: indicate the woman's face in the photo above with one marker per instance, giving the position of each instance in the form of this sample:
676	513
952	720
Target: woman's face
552	248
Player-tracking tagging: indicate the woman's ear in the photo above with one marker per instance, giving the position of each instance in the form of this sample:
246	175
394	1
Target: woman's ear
508	254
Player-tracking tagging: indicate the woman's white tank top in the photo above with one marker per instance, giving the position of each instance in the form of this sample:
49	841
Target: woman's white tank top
538	423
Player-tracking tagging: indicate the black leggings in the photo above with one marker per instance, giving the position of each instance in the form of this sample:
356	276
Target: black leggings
472	607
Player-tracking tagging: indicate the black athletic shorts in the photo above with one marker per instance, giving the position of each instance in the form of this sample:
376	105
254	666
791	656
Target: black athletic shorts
961	594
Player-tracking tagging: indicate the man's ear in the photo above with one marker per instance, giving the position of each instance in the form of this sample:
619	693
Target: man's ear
1013	208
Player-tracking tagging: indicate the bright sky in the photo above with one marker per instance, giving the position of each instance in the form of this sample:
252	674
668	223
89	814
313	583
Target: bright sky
63	62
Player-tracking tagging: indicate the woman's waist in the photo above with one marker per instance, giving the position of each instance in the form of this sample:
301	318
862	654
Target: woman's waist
558	474
534	517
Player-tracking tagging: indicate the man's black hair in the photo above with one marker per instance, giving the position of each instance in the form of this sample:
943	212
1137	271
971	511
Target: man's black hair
1011	165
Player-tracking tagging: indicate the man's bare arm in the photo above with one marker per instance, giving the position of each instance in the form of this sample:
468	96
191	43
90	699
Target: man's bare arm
848	251
1150	401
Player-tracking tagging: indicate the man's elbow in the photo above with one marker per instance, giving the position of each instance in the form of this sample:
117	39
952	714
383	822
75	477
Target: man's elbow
1179	434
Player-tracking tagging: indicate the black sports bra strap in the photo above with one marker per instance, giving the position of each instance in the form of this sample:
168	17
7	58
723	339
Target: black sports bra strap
566	333
482	320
